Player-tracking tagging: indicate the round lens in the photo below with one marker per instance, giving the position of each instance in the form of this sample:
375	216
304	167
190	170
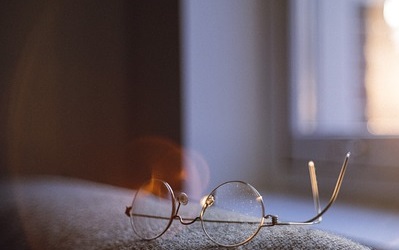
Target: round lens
152	209
232	214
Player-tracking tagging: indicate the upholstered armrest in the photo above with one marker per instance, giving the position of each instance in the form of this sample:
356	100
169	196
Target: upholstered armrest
60	213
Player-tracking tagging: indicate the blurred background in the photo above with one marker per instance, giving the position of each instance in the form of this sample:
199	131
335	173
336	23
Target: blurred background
83	82
201	92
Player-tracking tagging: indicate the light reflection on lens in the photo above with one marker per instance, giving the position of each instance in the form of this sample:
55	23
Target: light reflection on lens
152	209
235	214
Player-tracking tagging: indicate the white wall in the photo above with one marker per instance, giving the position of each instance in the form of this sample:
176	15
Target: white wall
227	87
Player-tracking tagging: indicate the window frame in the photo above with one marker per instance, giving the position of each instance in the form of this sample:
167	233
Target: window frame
373	172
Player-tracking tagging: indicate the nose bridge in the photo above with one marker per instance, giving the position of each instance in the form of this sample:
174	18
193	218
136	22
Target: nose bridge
182	199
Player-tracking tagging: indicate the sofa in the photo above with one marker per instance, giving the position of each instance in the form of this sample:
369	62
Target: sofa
52	212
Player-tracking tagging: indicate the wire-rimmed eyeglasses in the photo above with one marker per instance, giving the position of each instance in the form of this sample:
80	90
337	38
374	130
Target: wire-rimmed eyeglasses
231	215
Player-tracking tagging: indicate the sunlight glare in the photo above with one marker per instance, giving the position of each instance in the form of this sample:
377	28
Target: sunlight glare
382	75
391	10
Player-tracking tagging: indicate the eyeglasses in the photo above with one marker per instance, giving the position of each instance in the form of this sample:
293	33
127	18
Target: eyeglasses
231	215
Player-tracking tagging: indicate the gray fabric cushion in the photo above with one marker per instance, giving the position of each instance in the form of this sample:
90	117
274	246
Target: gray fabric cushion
60	213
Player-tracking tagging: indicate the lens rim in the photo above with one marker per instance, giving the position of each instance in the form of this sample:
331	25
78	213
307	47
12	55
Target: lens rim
172	196
261	222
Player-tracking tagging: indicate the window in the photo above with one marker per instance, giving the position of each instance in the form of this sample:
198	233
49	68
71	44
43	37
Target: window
345	89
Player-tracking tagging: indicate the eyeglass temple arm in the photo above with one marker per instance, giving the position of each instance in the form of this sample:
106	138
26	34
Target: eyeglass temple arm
315	192
315	188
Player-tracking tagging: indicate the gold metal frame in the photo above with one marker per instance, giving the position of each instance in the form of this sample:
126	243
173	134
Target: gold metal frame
265	220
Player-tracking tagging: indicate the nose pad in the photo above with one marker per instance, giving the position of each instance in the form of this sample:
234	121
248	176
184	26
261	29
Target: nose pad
210	200
183	198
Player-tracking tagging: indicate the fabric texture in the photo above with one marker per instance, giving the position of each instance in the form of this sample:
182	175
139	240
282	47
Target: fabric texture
60	213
